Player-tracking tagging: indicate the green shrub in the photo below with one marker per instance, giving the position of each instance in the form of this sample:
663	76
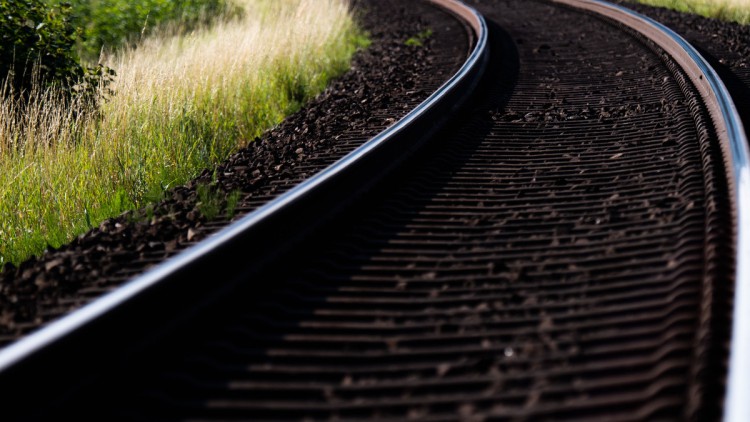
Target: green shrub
40	40
33	34
111	23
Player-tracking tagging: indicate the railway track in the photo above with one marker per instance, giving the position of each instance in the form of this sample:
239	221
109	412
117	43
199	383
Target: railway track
560	245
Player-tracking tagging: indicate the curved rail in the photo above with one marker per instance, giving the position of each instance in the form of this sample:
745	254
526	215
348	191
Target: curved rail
189	276
734	144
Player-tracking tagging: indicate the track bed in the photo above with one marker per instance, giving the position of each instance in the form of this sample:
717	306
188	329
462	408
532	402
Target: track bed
560	252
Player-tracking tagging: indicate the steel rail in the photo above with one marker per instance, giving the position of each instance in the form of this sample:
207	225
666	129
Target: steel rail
734	145
191	274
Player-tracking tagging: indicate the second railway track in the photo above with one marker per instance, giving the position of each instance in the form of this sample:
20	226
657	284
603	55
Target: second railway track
563	249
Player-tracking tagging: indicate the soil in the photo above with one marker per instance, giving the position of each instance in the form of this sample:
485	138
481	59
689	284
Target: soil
385	82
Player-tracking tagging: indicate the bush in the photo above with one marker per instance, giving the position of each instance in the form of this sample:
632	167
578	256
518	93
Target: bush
38	47
110	23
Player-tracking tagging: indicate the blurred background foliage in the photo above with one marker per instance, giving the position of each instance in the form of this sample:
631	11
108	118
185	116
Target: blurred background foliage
112	23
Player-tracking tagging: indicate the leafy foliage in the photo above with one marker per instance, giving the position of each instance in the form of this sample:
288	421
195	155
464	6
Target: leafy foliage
31	33
110	23
37	46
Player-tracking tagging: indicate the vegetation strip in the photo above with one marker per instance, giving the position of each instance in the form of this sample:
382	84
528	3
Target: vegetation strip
181	104
729	10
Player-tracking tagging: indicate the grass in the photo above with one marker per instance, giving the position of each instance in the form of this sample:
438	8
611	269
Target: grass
181	104
729	10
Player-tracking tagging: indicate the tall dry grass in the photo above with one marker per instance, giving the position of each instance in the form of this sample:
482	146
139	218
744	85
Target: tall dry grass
181	104
729	10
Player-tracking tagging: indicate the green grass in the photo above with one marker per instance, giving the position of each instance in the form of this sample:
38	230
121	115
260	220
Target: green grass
182	104
728	10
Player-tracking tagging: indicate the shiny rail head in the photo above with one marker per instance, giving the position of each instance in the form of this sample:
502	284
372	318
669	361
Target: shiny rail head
733	137
56	332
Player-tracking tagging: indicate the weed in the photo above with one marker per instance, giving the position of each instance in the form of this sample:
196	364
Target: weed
209	201
419	39
233	200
